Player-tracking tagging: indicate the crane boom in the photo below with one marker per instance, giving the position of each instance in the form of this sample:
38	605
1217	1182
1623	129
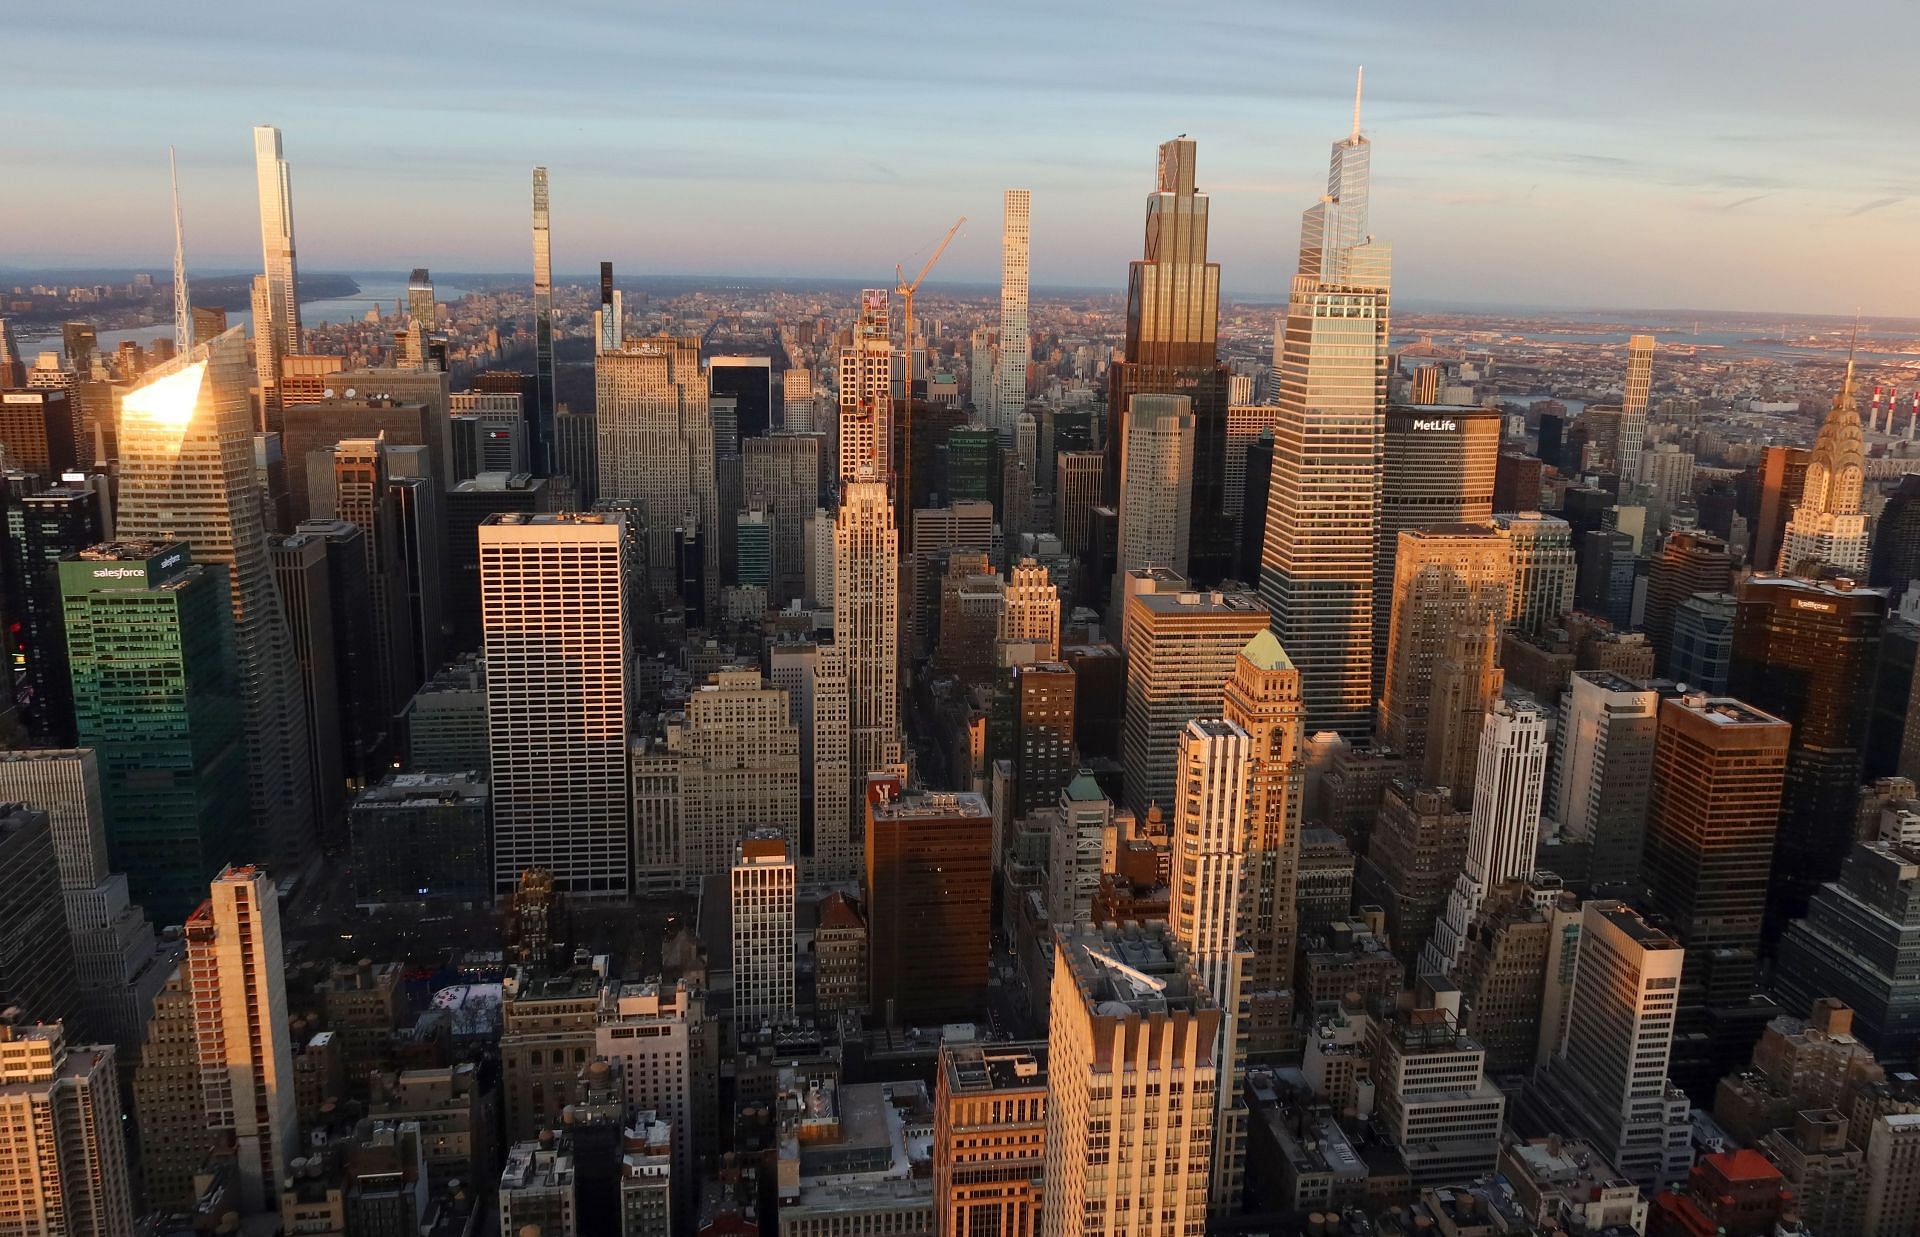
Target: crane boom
904	469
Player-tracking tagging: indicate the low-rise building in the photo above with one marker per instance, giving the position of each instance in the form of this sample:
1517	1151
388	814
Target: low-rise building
1568	1182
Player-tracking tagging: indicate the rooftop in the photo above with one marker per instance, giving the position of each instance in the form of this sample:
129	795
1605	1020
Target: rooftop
975	1069
1133	970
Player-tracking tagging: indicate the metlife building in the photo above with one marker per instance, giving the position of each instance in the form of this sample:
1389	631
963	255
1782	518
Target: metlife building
1437	467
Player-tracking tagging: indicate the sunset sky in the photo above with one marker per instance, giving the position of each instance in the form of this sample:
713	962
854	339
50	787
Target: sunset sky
1708	154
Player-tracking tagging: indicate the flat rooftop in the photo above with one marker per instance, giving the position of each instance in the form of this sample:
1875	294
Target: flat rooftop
979	1069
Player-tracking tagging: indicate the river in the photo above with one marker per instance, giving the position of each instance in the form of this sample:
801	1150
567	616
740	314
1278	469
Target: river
375	290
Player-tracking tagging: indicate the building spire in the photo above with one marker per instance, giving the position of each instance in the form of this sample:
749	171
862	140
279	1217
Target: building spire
182	303
1846	387
1359	80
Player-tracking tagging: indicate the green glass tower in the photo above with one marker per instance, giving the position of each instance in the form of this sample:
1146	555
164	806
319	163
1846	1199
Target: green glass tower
972	453
156	693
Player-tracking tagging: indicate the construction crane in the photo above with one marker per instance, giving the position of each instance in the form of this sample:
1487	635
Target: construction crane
903	507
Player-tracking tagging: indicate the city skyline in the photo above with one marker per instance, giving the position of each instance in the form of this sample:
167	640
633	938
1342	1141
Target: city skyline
1483	177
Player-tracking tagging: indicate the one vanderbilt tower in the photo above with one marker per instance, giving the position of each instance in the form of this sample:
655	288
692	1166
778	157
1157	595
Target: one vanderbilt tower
1323	512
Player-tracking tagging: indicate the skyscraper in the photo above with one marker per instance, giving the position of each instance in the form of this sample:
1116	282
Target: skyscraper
277	333
655	445
1437	467
1450	600
866	391
1131	1021
1633	407
157	696
1510	778
112	942
36	952
762	906
236	973
422	316
543	321
46	528
1078	487
929	902
814	677
1806	652
186	474
1718	769
1043	759
1828	528
782	471
1181	649
1541	550
1608	1082
729	762
1173	322
553	599
866	622
1603	771
1156	482
1262	697
1015	345
64	1164
1210	836
1032	610
1323	505
748	381
990	1139
1688	563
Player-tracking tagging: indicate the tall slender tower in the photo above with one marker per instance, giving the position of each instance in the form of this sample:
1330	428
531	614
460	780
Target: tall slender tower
762	879
1172	348
1131	1023
1210	854
1015	344
1828	528
543	320
1323	505
187	474
236	970
1633	406
866	621
278	337
1154	528
1511	779
182	302
1263	698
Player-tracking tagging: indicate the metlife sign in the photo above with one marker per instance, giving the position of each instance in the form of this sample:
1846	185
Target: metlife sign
1432	425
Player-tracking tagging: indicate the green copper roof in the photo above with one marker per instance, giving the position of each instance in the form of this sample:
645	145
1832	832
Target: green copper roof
1083	789
1265	652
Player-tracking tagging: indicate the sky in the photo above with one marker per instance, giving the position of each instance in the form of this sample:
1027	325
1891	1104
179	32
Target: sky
1730	154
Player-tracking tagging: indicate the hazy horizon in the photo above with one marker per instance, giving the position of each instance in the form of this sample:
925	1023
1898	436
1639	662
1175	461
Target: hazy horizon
1549	156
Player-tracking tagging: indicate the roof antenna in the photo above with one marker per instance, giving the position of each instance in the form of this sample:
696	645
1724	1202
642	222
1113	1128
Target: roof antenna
1359	79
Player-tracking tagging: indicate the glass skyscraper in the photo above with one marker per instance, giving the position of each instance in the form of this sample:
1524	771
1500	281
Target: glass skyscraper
1323	505
157	694
1173	326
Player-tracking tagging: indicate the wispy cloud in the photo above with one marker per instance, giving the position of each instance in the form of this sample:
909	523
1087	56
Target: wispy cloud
1747	201
1876	204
